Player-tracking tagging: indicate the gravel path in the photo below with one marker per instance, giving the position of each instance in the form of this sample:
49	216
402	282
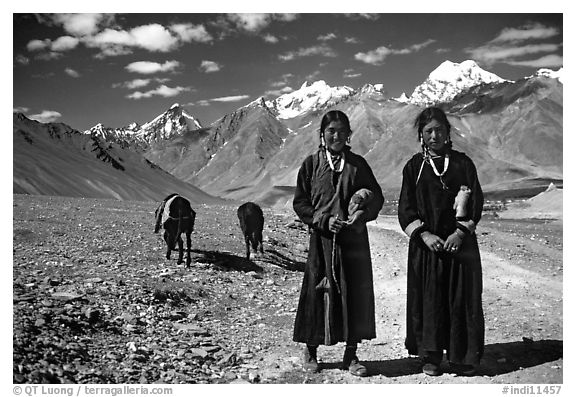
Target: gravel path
95	301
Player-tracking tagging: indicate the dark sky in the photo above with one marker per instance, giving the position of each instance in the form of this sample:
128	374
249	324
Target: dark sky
115	69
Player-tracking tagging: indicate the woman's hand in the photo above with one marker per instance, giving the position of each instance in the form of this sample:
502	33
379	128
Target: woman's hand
335	224
356	221
454	242
432	241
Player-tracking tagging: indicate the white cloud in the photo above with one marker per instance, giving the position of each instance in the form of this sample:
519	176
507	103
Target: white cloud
82	24
210	66
547	61
322	50
326	37
250	22
64	43
378	55
535	31
268	38
506	54
146	67
71	72
154	37
20	109
38	45
513	45
188	32
351	40
162	90
232	98
21	59
46	116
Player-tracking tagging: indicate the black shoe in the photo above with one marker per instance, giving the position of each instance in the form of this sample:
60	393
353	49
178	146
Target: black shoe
463	369
431	369
310	363
352	364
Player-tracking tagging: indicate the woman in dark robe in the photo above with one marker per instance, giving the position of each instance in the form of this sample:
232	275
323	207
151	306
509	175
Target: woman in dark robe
336	194
440	204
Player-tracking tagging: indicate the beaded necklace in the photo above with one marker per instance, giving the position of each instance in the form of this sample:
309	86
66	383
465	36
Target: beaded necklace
440	175
331	163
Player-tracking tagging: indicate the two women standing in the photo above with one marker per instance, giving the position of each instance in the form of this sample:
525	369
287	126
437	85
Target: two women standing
440	204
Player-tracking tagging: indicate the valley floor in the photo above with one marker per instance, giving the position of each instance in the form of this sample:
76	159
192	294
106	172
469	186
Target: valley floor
96	301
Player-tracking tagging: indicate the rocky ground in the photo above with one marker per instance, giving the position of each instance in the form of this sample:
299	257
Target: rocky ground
95	300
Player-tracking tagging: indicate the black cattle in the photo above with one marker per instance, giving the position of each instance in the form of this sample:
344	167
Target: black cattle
251	222
176	216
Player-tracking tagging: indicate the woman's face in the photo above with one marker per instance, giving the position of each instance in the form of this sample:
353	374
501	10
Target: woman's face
336	136
435	136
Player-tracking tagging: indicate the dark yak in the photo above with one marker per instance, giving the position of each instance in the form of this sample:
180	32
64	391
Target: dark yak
251	222
176	216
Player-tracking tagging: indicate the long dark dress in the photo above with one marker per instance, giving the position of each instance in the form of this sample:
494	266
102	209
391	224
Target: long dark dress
444	296
337	297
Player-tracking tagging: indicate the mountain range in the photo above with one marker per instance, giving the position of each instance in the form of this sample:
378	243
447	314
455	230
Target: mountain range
511	129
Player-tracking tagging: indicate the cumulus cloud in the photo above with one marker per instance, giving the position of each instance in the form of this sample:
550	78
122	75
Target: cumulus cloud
71	72
322	50
250	22
80	24
64	43
38	45
153	37
188	32
268	38
379	55
255	22
210	66
146	67
162	90
351	40
46	116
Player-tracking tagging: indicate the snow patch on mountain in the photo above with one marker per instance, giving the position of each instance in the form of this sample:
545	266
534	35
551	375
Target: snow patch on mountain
450	79
309	97
175	121
559	74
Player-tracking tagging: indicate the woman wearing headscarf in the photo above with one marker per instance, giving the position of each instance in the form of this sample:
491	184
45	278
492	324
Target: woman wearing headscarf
336	194
440	204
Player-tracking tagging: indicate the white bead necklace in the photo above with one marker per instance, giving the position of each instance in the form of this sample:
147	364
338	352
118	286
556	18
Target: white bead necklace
331	163
440	175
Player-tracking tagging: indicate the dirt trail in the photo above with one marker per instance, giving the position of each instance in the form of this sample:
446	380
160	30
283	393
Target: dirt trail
523	313
95	301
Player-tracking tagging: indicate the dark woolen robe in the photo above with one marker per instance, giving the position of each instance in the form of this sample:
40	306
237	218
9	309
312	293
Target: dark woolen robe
337	297
444	296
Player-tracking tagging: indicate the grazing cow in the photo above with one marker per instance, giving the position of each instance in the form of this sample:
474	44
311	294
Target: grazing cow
176	216
251	222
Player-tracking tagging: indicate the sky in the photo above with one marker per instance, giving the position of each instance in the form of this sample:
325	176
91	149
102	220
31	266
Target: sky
120	68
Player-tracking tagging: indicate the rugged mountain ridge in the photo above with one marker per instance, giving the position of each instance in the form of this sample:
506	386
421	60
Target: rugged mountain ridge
55	159
512	130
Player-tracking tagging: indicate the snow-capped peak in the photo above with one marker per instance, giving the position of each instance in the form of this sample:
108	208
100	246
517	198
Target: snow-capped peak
559	74
450	79
373	88
176	105
308	97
